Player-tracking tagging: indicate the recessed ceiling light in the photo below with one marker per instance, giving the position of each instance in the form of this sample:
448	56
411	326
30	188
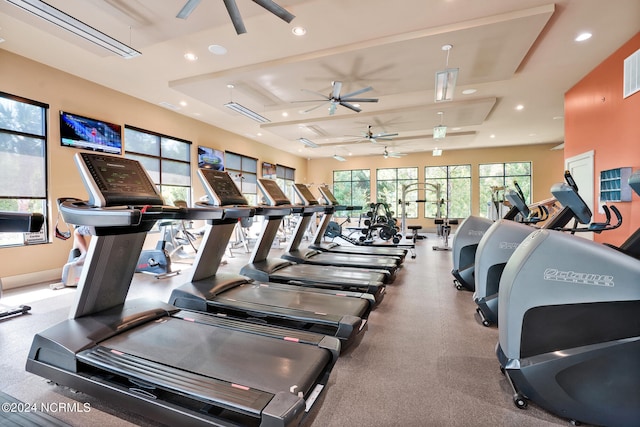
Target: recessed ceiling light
456	128
469	91
183	103
558	117
230	85
519	107
493	135
190	56
216	49
583	36
285	114
299	31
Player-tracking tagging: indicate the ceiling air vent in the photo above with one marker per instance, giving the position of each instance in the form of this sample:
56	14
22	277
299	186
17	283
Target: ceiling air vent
632	74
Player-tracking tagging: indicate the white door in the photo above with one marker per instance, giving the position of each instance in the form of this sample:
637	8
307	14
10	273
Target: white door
581	168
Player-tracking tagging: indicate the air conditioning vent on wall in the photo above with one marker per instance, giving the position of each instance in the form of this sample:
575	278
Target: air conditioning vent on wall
632	74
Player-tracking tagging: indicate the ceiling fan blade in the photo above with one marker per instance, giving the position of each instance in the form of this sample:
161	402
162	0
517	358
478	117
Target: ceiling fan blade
335	93
313	108
384	135
323	96
277	10
187	9
347	99
358	92
349	106
234	14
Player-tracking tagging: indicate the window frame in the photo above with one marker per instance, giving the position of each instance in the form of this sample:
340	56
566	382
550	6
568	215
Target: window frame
448	186
411	210
502	180
42	236
248	168
160	158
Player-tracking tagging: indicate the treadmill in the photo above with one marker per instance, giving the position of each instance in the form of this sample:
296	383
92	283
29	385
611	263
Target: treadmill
331	312
305	195
174	366
294	253
279	270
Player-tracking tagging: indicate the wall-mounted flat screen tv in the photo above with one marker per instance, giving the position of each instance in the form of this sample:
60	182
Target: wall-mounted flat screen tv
210	158
268	170
90	134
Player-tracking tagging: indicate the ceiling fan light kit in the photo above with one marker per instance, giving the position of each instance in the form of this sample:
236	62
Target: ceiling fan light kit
79	28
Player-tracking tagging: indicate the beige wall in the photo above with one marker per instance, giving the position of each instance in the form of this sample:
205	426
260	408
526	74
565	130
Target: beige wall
548	168
62	91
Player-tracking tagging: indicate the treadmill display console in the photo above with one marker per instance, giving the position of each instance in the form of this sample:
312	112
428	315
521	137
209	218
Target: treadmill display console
273	192
117	181
327	194
305	194
221	188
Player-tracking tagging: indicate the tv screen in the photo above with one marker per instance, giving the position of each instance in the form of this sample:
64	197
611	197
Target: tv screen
268	170
210	158
90	134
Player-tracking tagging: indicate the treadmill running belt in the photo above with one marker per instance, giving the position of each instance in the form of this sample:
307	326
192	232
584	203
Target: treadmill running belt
308	301
237	357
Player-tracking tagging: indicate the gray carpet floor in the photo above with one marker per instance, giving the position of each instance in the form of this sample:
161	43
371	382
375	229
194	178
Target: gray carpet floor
424	361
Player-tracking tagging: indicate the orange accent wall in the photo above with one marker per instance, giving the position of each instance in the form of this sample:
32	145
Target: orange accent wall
598	118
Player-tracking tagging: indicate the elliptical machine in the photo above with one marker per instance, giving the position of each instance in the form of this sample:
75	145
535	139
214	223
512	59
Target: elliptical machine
569	336
501	240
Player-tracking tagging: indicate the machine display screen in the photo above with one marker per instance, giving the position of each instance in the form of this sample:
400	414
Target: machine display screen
121	181
274	192
305	194
222	188
327	194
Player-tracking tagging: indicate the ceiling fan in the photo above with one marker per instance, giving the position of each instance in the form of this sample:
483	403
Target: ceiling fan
386	154
234	12
335	98
370	136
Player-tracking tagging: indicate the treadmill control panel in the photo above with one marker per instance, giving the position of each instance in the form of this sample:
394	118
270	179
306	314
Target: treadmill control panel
115	181
220	187
305	194
273	192
328	195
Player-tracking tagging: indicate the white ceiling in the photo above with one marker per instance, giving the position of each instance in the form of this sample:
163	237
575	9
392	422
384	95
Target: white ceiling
511	51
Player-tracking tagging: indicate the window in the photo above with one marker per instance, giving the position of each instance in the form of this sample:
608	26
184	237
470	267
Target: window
23	156
497	176
166	159
352	188
244	171
389	184
286	177
450	184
